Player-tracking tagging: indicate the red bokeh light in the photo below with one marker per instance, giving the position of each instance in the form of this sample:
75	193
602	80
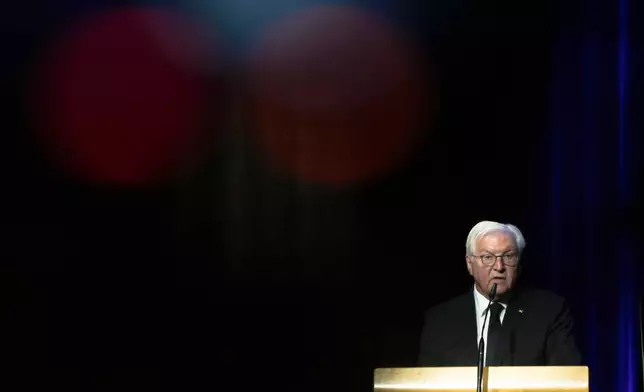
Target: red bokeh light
120	99
336	95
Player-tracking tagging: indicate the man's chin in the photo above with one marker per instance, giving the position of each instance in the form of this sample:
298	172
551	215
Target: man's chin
501	286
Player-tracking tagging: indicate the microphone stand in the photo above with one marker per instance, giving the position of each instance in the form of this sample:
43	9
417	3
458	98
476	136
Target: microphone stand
479	365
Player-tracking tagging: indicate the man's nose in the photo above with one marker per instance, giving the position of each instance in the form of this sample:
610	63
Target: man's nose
498	263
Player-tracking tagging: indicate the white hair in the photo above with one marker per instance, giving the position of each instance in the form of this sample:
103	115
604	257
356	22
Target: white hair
486	227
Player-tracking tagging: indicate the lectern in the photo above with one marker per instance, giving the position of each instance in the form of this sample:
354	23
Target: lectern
495	379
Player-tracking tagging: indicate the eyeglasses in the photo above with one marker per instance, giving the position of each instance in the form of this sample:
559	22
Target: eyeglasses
510	259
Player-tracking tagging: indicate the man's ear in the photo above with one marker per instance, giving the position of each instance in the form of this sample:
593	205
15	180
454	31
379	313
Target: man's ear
468	263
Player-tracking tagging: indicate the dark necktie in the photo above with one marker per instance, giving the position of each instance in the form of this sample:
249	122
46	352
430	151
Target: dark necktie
495	331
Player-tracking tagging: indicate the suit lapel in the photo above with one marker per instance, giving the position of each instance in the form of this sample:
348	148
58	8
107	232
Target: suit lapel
511	322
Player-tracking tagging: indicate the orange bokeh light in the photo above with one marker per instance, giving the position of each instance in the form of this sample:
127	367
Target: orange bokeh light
337	96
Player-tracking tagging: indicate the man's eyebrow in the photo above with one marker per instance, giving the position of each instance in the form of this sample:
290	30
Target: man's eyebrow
504	251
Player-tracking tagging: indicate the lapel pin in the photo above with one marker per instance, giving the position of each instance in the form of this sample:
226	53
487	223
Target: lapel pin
521	311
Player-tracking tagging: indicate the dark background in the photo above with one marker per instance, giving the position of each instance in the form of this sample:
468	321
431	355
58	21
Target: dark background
205	282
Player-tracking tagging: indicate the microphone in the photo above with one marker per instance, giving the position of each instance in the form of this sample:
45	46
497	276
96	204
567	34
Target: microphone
479	373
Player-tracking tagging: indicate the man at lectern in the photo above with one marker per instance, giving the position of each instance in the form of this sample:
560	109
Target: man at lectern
523	327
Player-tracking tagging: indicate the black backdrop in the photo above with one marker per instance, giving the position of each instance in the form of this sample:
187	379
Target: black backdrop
204	281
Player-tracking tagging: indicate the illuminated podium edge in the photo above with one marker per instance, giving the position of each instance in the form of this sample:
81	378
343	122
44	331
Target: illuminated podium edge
504	378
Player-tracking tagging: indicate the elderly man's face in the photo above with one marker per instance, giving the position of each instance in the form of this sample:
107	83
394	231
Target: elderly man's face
505	276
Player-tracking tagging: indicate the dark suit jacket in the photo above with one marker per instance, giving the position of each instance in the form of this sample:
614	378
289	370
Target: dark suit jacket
540	335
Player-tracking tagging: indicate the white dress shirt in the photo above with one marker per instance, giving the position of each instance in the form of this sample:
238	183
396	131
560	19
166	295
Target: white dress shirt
480	303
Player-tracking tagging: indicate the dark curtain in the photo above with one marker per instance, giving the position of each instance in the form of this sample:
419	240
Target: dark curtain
592	230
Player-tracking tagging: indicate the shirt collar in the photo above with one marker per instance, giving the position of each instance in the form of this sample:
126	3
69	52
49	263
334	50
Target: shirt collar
481	302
